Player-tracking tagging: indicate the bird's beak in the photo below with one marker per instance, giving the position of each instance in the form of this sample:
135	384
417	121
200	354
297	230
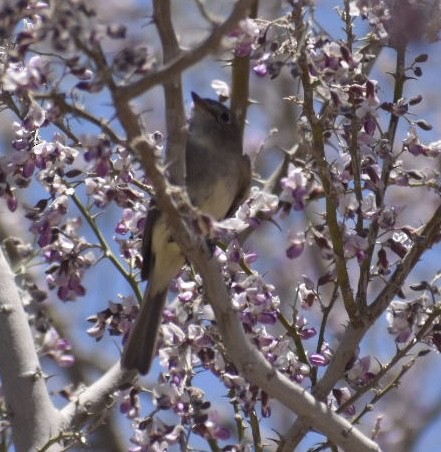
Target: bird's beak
198	101
195	97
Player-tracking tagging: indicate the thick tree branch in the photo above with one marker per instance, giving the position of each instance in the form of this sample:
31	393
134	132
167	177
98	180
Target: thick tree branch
95	399
33	417
257	370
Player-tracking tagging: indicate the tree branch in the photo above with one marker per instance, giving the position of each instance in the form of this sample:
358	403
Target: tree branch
96	398
189	58
353	334
257	370
174	107
33	417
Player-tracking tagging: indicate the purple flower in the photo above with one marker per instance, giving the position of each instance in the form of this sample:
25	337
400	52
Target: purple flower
403	317
35	117
245	35
117	318
51	344
19	77
307	295
154	434
361	371
354	245
297	245
295	187
260	69
259	205
342	395
129	403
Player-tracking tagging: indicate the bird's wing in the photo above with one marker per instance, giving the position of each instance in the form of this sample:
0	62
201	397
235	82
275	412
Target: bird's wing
243	187
148	256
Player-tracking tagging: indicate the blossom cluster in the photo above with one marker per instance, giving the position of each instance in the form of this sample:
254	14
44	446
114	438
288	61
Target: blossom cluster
345	169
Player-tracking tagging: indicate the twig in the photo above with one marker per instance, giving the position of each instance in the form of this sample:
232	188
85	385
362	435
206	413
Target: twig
106	248
189	58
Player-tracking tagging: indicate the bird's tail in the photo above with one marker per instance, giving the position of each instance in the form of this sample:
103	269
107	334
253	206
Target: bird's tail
141	345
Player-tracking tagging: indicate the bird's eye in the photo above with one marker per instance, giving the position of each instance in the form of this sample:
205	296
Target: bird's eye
225	117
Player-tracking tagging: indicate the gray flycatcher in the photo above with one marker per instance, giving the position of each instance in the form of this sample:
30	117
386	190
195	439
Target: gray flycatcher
218	177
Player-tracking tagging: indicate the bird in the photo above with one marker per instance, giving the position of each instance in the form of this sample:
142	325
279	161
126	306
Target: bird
217	179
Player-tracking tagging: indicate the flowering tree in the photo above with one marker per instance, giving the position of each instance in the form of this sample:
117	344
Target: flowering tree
277	307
